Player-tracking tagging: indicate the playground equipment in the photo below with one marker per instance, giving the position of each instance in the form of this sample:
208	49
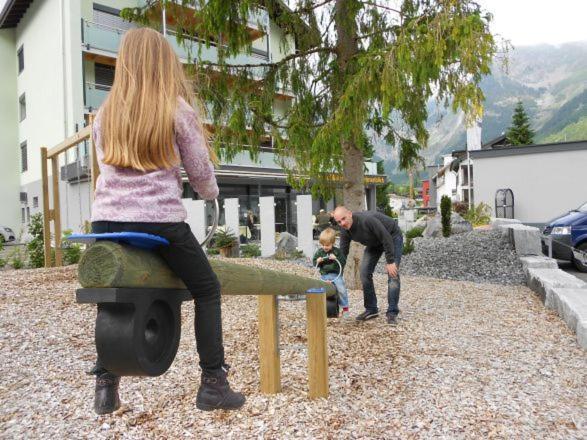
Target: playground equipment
139	298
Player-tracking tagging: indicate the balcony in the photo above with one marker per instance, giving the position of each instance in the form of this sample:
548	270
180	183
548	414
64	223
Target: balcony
95	94
104	40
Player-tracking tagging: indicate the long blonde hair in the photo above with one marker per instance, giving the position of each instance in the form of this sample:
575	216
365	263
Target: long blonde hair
137	121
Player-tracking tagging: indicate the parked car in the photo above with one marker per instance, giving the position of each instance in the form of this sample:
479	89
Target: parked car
6	234
568	234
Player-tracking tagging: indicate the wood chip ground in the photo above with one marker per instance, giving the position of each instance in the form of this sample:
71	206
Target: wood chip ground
465	361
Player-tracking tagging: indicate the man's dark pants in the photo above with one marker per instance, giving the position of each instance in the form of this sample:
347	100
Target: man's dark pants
370	259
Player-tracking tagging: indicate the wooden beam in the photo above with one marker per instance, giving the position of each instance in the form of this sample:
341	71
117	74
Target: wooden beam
46	210
317	347
81	135
95	170
269	362
56	211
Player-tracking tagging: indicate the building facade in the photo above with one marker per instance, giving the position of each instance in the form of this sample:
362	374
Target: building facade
58	63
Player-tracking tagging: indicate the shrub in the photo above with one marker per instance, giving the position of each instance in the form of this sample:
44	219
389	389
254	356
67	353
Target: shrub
250	250
445	211
224	238
2	262
16	260
460	208
479	215
410	235
212	251
71	251
36	247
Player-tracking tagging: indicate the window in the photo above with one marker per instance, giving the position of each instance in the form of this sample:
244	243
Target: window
28	214
22	215
23	157
22	106
35	202
104	15
104	76
20	55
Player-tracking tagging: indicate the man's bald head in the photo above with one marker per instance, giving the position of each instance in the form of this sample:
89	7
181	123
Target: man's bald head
343	216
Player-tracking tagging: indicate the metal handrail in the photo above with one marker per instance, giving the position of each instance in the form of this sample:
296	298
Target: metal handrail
214	224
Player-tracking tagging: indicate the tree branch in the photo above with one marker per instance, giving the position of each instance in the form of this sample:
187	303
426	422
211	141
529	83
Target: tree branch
279	63
366	2
311	8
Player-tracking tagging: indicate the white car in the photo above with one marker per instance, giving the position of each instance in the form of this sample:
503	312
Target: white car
6	234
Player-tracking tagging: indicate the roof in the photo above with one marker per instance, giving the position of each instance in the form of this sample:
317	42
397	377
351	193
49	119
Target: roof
12	12
530	149
499	141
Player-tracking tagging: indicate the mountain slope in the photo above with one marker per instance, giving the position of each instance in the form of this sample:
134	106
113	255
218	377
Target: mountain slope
551	81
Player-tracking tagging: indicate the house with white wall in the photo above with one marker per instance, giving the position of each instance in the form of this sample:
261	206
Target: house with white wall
58	62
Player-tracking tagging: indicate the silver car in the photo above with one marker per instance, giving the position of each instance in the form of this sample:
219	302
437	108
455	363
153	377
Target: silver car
6	234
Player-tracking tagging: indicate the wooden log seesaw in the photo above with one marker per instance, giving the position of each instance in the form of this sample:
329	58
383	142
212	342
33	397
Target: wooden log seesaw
138	325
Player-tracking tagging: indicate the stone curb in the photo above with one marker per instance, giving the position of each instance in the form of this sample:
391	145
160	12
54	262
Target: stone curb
560	292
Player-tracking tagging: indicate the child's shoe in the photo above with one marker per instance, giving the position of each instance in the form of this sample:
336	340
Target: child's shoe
345	314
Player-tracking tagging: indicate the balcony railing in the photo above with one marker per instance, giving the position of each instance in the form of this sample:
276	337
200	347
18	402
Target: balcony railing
100	37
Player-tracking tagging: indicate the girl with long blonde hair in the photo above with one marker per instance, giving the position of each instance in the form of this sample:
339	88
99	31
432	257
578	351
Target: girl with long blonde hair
145	129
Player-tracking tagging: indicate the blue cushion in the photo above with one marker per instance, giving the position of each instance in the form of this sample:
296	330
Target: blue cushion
136	239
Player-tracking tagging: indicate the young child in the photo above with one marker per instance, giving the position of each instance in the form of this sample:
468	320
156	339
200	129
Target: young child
146	127
325	258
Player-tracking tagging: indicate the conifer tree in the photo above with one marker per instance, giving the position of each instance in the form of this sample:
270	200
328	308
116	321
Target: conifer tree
359	66
520	132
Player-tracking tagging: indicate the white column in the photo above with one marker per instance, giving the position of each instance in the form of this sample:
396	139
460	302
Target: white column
267	215
231	216
304	214
196	210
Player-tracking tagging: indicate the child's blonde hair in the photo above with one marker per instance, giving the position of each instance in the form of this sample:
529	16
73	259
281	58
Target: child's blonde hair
327	236
138	115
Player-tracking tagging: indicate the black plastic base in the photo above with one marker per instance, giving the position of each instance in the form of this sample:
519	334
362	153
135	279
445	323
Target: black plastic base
137	330
332	306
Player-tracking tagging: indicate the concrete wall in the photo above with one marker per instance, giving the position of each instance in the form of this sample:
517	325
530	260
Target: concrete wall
9	144
545	185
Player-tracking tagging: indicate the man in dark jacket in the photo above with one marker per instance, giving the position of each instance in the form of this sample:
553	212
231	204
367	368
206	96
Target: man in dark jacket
379	233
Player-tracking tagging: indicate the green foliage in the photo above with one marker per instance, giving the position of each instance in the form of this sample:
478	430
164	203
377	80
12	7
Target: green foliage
16	259
1	242
250	250
520	132
445	212
479	215
212	251
410	235
281	254
2	262
573	132
35	247
224	238
357	70
71	251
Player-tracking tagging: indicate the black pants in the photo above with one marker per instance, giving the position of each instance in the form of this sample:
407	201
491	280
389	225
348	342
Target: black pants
188	261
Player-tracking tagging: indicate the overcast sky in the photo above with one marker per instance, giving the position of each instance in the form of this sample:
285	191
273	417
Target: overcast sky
526	22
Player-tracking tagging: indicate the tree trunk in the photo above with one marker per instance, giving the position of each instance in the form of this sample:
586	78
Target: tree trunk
110	264
352	155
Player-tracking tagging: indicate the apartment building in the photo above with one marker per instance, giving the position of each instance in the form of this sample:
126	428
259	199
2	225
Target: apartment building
58	62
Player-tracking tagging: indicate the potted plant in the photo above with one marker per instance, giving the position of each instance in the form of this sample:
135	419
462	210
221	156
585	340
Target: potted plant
224	240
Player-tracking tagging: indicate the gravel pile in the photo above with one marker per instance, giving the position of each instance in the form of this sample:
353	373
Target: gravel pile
480	256
466	360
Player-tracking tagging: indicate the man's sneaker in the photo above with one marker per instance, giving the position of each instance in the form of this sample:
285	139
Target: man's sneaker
391	318
366	315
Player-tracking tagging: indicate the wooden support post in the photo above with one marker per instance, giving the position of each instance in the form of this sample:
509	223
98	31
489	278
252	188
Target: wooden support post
46	210
95	172
317	348
56	211
269	364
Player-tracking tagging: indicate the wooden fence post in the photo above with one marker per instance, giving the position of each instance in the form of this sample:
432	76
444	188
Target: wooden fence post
317	348
56	211
269	363
46	210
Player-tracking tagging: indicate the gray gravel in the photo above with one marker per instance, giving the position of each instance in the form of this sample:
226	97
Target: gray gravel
479	256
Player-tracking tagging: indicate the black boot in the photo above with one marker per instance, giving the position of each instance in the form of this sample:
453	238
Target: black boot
215	393
106	399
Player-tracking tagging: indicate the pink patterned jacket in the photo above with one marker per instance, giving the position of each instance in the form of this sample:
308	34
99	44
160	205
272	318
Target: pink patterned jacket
127	195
